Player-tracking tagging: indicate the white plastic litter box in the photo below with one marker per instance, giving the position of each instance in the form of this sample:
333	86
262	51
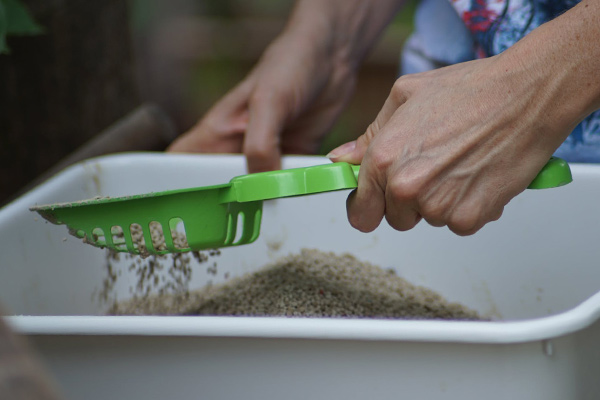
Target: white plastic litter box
535	273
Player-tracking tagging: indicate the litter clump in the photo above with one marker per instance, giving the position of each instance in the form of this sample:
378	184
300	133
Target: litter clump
309	284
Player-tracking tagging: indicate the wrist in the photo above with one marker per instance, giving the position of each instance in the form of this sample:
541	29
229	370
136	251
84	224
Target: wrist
562	59
345	30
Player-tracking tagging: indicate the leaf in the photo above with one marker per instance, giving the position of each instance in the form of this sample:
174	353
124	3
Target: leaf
19	22
3	46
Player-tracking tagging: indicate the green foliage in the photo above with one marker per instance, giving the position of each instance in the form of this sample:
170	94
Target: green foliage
15	20
405	18
3	48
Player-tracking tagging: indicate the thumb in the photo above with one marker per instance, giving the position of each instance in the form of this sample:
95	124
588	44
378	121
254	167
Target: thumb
352	152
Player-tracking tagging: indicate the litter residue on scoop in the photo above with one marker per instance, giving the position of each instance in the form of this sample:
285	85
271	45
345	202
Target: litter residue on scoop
309	284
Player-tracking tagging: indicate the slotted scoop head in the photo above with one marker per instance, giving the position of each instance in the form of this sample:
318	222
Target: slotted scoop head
213	216
192	219
160	223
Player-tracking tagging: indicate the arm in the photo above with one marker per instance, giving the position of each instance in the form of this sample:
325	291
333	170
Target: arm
298	88
348	27
455	145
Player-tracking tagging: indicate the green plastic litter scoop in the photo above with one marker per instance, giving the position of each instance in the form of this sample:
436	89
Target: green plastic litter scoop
213	216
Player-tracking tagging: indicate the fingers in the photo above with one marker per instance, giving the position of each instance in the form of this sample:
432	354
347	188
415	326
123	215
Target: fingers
221	129
401	206
267	117
368	204
371	202
245	120
199	139
471	215
365	208
305	134
405	181
383	192
353	152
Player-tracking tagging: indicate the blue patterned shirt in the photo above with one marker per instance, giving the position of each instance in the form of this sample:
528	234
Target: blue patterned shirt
492	26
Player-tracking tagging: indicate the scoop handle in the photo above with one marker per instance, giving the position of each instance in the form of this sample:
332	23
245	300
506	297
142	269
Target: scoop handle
555	173
356	169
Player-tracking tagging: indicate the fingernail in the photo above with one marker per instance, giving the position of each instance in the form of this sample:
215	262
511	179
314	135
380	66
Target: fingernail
342	150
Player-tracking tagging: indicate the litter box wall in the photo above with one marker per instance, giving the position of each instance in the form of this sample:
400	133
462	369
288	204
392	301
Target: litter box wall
534	267
251	368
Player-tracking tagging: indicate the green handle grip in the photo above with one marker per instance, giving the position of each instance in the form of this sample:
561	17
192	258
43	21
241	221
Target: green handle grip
355	169
555	173
338	176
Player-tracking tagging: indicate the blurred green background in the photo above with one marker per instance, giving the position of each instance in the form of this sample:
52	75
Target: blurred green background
191	52
95	62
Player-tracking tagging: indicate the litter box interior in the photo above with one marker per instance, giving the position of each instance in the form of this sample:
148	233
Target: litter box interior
536	261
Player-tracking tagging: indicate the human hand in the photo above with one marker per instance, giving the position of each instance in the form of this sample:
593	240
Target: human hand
453	146
285	105
300	85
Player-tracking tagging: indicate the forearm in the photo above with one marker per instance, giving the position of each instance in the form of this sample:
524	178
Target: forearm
345	29
562	57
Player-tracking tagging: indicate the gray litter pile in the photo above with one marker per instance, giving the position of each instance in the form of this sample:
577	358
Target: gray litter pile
309	284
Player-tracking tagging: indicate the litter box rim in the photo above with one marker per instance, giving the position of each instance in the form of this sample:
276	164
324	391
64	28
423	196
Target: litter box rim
490	332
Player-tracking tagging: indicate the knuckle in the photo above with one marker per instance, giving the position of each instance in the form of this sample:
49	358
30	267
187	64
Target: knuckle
403	224
204	139
209	127
211	121
402	86
464	224
271	98
371	132
214	127
497	214
262	96
433	212
404	188
380	160
398	93
257	151
194	140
